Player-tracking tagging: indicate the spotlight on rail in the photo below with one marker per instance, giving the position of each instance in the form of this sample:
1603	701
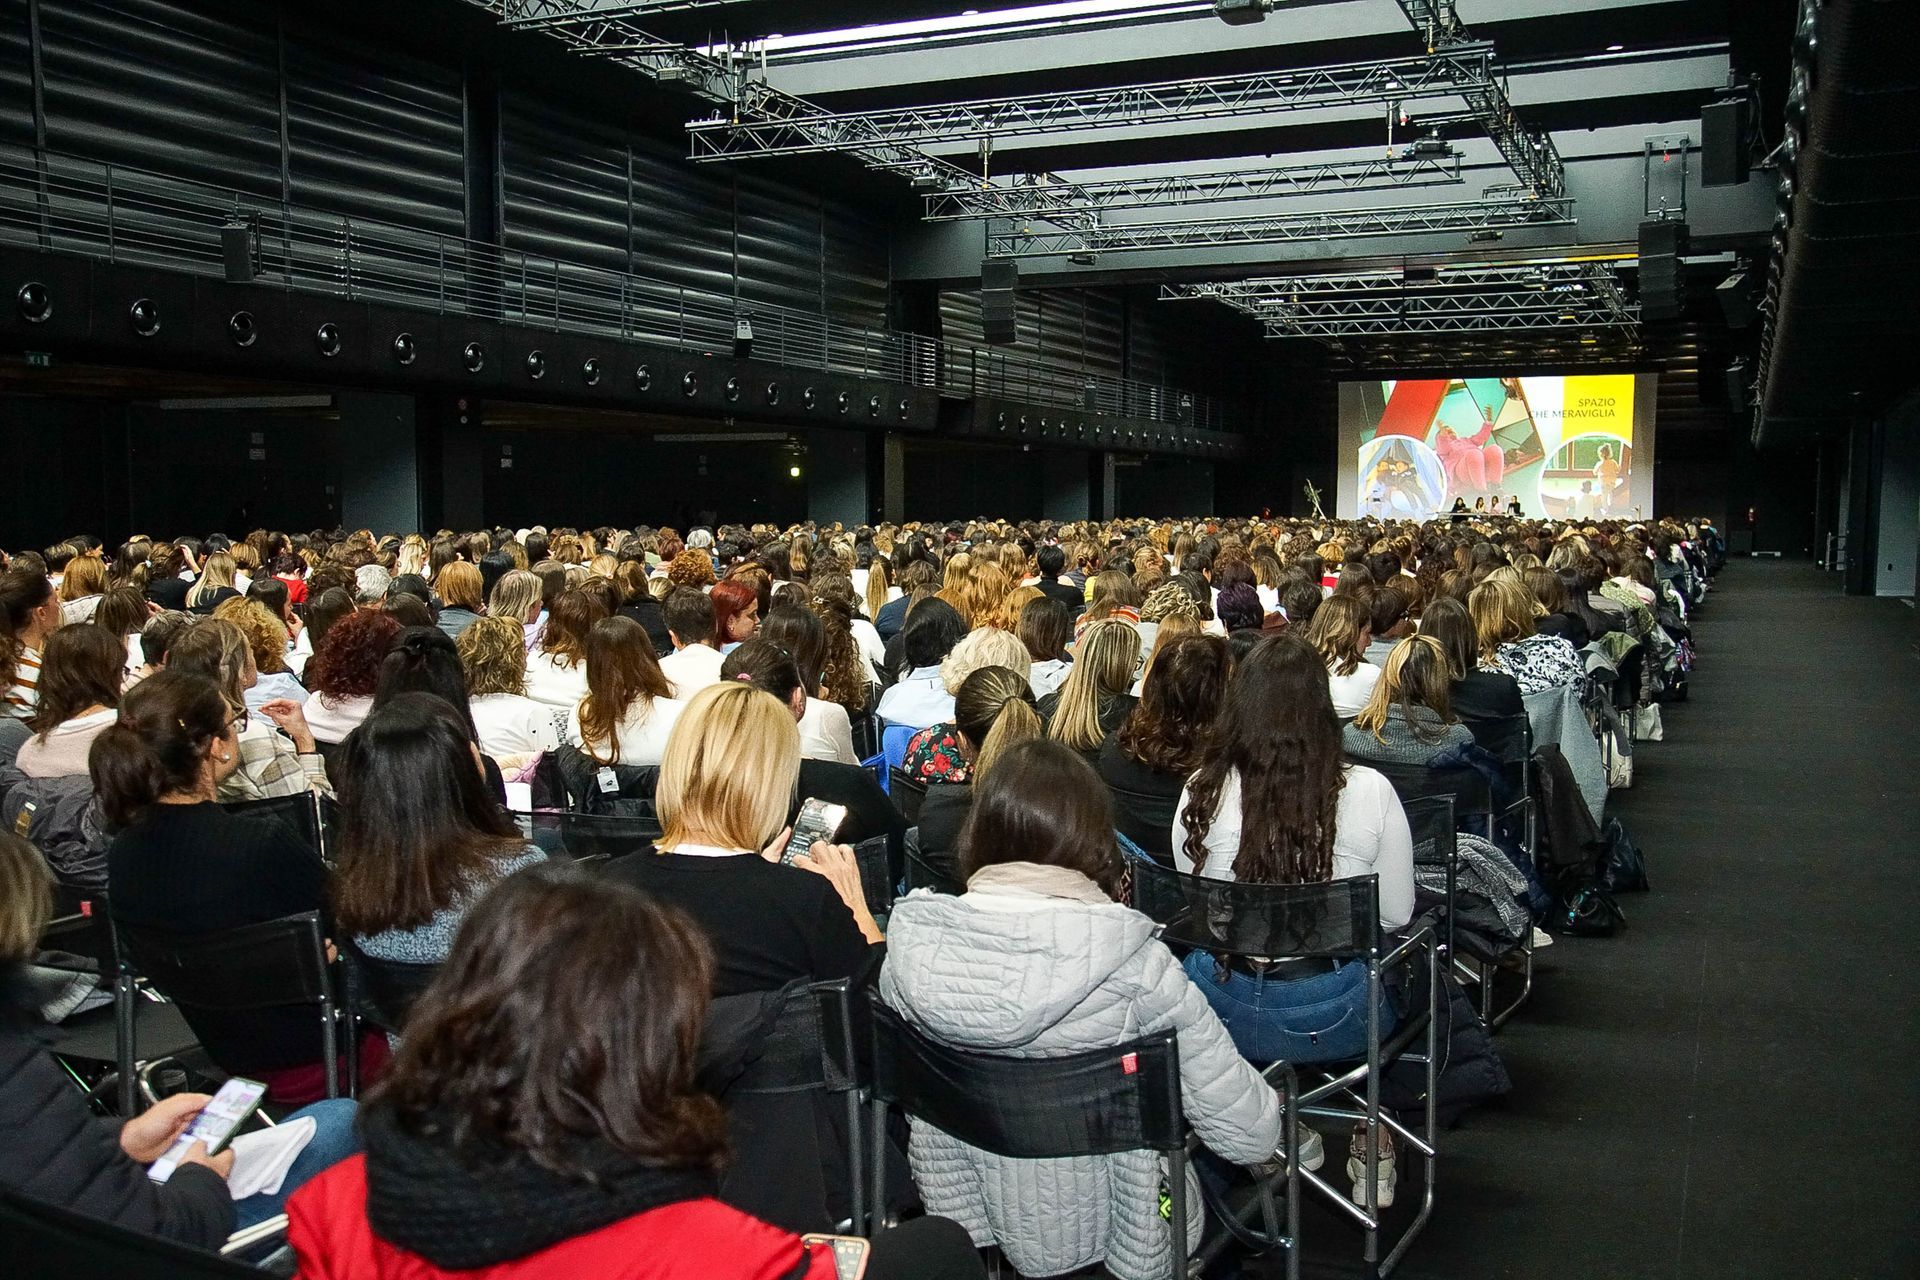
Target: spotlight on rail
1240	13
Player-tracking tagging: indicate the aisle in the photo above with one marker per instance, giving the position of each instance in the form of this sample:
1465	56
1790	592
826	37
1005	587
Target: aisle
1729	1087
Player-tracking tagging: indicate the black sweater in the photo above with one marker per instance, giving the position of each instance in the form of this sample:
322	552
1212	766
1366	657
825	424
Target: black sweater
58	1151
195	868
769	924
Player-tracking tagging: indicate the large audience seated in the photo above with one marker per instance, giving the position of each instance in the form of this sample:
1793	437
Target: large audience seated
1023	722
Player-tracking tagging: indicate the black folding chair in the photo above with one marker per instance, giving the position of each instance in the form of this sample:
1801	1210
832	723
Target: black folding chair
273	964
876	873
382	992
1337	920
1435	846
300	812
1147	820
43	1240
907	792
1103	1102
922	874
587	837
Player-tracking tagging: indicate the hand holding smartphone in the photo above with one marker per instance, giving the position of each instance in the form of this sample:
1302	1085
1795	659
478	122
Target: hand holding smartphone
215	1126
817	821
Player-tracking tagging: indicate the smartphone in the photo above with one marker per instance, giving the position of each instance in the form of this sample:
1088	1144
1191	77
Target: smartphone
849	1254
216	1124
817	820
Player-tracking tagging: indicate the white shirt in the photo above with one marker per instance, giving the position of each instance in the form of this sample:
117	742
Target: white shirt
826	733
80	610
332	721
1045	677
1370	837
919	700
510	724
1351	691
641	733
873	650
271	685
691	669
1269	597
553	684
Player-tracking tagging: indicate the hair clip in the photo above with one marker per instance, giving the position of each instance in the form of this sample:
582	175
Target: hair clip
744	677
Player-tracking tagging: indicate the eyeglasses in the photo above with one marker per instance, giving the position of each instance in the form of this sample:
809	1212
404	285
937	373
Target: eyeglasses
239	723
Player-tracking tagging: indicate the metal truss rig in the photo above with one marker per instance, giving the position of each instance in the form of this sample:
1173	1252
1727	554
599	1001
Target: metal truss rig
595	10
1500	298
763	126
1058	202
1324	224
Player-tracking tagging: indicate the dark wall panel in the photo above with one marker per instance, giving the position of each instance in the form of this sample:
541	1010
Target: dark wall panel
564	185
16	77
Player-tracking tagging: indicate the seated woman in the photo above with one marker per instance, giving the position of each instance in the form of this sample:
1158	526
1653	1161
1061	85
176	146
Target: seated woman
510	725
81	674
770	669
557	666
1037	959
920	698
214	586
826	730
1479	698
736	613
461	603
1504	613
29	613
1045	627
183	864
530	1079
420	836
993	710
267	637
933	754
81	587
1409	719
1153	753
629	710
60	1153
1095	700
271	594
1341	628
1273	803
344	670
516	595
1559	619
278	754
124	612
726	786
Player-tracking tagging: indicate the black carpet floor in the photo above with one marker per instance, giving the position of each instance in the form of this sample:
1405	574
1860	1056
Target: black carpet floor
1731	1086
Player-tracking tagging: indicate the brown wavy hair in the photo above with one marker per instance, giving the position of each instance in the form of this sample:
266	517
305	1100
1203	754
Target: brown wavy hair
493	652
1336	629
1169	730
571	618
1278	733
517	1044
347	662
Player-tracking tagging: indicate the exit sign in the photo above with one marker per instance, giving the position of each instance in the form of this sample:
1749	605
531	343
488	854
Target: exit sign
39	359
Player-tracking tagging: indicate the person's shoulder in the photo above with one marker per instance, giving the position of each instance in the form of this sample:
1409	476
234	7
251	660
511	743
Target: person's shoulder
1367	783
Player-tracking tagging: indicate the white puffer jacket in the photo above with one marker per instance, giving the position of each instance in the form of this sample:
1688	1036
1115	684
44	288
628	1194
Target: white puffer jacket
1014	971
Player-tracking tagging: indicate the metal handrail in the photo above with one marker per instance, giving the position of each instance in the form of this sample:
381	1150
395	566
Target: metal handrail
130	216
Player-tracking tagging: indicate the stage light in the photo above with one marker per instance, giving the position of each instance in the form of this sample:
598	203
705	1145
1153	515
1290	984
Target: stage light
536	365
794	472
405	350
474	357
732	389
590	371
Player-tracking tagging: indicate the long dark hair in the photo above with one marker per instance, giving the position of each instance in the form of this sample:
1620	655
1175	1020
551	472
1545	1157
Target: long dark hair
425	660
517	1043
766	666
418	825
1448	622
83	666
1277	731
621	671
21	592
1042	802
798	630
1169	729
159	744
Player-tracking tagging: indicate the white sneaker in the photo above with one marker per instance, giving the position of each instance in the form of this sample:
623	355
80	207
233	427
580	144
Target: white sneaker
1383	1177
1312	1151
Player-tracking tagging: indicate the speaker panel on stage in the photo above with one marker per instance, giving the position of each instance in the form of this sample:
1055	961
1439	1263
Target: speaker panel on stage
1661	244
1723	143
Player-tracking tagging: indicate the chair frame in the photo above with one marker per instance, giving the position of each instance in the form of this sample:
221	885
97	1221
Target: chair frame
1350	1095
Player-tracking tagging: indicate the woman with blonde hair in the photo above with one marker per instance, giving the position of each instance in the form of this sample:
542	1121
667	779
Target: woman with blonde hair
461	601
1408	718
215	584
81	587
880	591
1095	700
508	725
726	784
1340	631
270	763
267	638
629	710
1007	615
412	557
1505	614
934	754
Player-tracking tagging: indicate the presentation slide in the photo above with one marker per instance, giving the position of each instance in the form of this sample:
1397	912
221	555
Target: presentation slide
1576	447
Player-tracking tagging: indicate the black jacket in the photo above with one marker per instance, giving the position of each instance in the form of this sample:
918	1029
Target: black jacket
56	1150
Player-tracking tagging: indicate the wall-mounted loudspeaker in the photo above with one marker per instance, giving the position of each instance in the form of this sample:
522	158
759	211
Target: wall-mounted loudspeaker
1661	244
999	277
236	252
1723	143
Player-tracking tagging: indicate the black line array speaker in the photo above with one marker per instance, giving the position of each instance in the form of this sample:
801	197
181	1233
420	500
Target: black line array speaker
1736	299
1737	385
1723	143
999	277
1661	244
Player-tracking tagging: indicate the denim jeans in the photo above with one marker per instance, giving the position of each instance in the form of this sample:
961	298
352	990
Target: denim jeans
334	1140
1320	1018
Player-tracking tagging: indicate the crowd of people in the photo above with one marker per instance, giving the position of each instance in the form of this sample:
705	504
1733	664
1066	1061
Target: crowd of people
1225	694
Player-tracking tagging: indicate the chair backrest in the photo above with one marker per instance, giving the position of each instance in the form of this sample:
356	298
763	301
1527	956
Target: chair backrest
46	1241
1339	919
876	873
300	812
578	837
256	966
808	1045
1147	820
1508	737
907	792
922	874
866	733
1468	788
893	743
632	796
1105	1101
382	991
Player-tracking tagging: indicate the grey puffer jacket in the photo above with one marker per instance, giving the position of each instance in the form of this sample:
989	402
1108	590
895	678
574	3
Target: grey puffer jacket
1007	970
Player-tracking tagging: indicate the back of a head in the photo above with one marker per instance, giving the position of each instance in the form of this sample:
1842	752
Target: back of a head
214	649
1448	622
26	900
1239	608
1103	668
571	617
799	631
82	666
1042	803
689	615
983	647
729	770
424	660
1179	703
1389	609
1336	631
1417	674
1503	611
493	653
1045	627
346	661
1051	562
768	666
993	709
931	631
159	744
622	671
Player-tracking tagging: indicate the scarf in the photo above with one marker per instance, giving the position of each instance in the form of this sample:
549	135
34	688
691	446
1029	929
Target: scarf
462	1210
1038	878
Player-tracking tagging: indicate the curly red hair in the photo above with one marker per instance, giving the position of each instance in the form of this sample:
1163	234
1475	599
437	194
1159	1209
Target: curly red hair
347	663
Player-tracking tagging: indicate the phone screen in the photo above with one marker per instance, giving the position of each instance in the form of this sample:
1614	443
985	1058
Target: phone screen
817	820
216	1124
849	1254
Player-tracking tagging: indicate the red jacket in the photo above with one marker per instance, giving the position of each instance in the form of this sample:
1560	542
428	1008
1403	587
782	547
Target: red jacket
693	1240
